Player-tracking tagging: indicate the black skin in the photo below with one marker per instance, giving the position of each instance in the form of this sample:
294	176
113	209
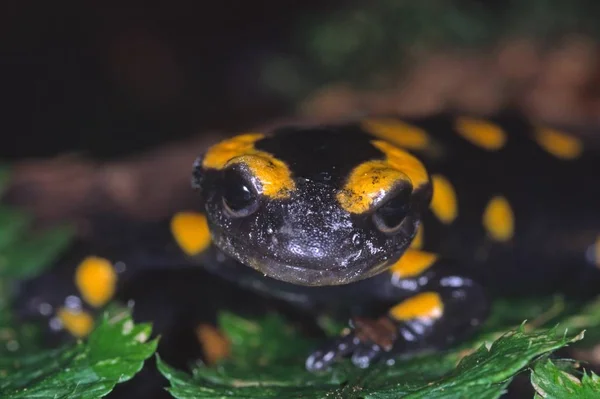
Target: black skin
539	187
308	239
311	253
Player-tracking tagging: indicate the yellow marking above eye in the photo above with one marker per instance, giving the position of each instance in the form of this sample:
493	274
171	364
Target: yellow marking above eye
559	144
367	183
413	263
427	305
498	219
273	174
96	280
371	180
404	162
418	241
78	323
219	154
481	133
190	230
397	132
215	345
444	202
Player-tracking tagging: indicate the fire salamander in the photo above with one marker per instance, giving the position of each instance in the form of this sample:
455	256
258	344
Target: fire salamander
407	227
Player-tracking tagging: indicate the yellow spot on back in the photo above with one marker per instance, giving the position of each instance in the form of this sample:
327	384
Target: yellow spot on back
273	174
215	345
397	132
96	280
219	154
190	230
444	203
482	133
413	263
427	305
559	144
371	180
77	322
417	242
498	219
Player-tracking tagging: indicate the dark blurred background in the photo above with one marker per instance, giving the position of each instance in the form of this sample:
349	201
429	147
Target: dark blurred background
113	100
109	79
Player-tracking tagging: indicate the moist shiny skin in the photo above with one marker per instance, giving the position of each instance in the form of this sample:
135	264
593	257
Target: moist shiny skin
515	202
406	226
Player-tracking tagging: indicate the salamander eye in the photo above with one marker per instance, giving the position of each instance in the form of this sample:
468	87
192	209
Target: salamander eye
240	197
388	216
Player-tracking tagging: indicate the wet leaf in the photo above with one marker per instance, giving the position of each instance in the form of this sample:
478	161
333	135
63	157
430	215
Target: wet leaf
114	353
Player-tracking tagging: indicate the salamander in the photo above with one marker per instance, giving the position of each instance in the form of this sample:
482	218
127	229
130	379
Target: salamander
407	227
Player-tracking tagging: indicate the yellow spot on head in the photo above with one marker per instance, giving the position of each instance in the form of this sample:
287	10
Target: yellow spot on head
219	154
413	263
77	323
397	132
444	201
559	144
96	280
427	305
273	175
417	242
482	133
498	219
371	180
215	345
190	230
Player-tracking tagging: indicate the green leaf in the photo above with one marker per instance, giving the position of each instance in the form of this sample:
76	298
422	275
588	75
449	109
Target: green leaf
496	365
31	254
114	353
551	381
13	225
587	317
23	255
264	364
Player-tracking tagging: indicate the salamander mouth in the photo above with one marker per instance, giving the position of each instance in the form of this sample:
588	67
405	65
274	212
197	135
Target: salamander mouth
302	275
306	273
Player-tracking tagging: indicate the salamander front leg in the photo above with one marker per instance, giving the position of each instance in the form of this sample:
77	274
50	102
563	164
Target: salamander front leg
439	307
94	272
